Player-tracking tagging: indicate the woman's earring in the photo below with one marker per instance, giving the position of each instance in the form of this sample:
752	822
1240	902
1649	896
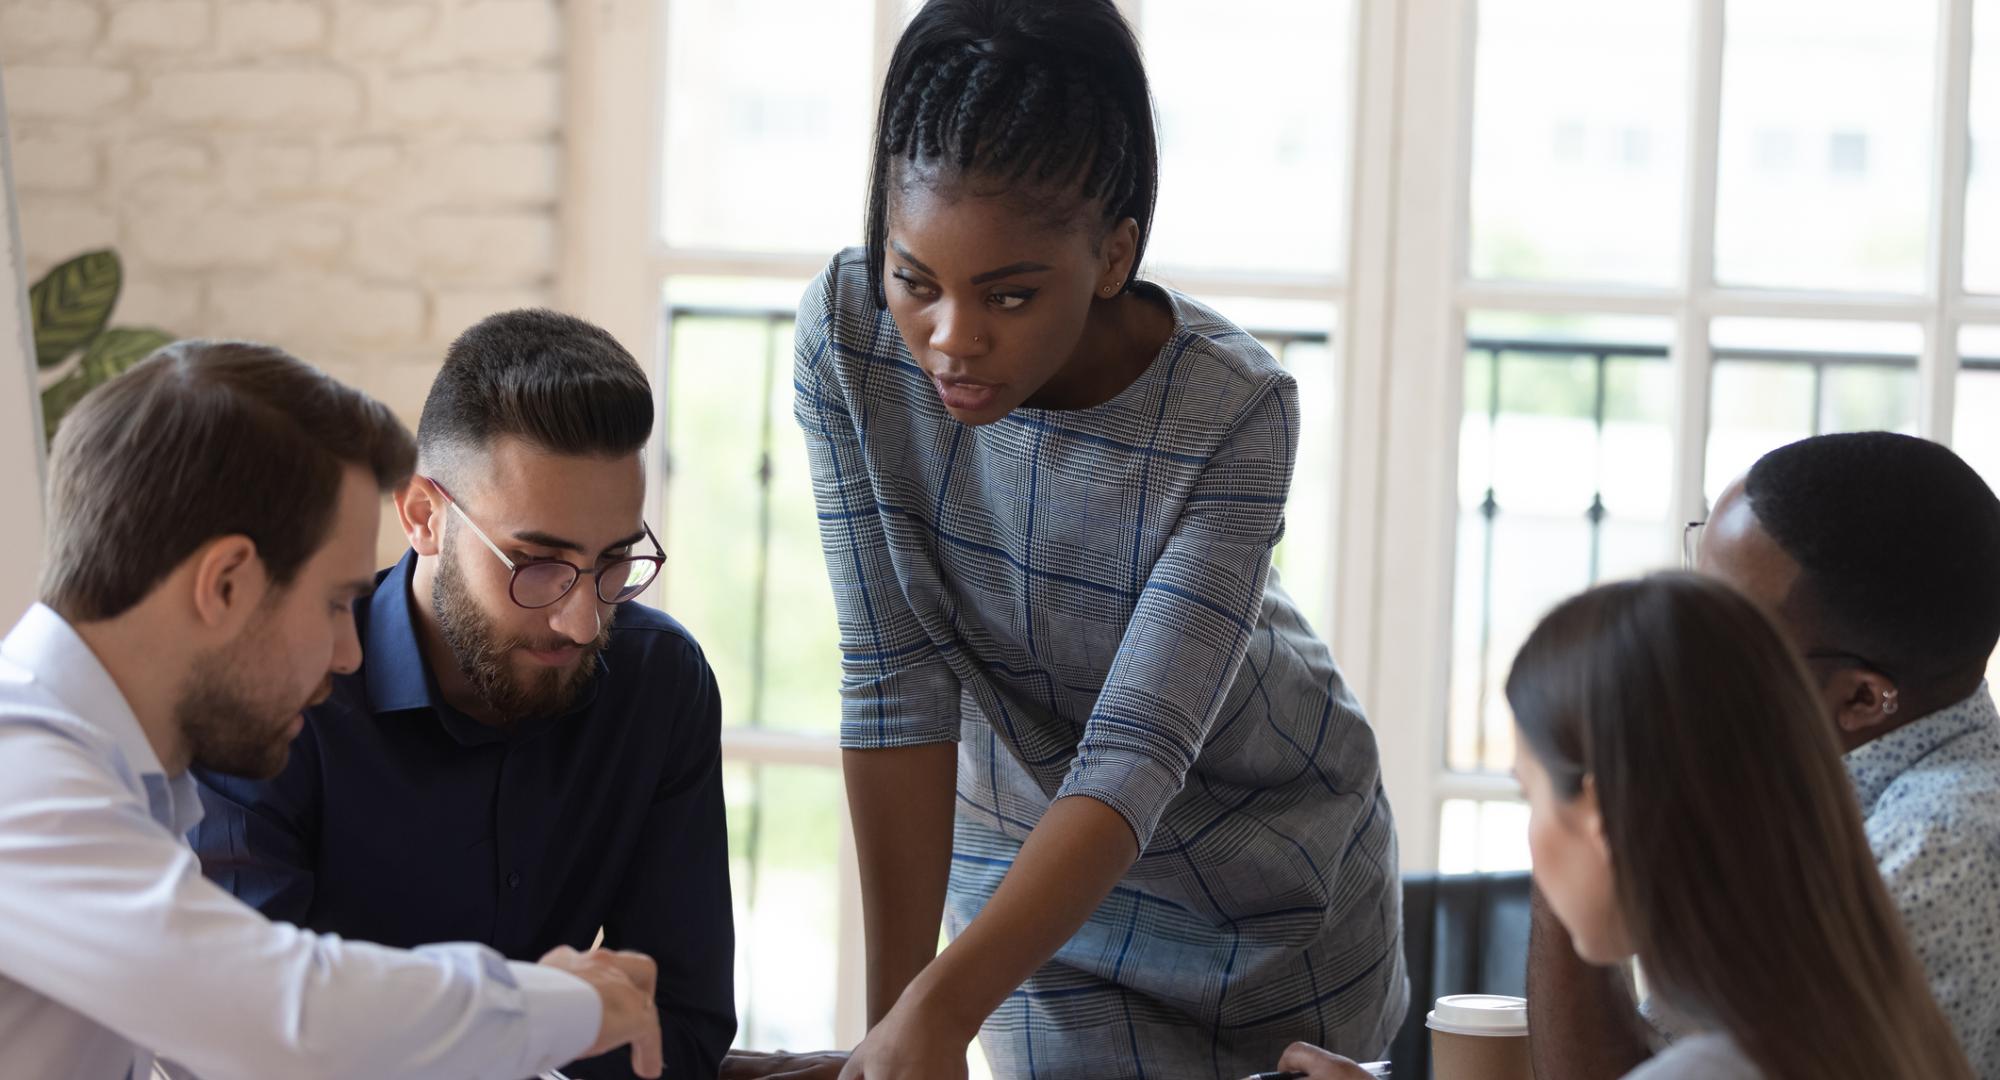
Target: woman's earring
1889	705
1109	289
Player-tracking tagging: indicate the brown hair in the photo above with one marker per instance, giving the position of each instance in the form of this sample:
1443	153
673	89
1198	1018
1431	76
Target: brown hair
1741	865
204	439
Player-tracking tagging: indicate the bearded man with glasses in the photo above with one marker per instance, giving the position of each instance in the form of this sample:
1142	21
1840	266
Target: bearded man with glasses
527	754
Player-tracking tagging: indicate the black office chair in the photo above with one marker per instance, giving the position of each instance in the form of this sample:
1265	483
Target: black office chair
1462	934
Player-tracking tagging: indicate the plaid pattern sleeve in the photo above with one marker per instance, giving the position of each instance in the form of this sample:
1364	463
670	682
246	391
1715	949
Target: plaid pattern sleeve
895	689
1191	625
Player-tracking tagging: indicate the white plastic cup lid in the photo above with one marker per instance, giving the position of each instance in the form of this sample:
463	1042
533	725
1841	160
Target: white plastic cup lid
1480	1014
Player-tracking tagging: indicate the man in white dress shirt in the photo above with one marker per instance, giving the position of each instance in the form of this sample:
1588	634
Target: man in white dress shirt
213	517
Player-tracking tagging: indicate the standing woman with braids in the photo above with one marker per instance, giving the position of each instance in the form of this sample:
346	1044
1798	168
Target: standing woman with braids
1080	718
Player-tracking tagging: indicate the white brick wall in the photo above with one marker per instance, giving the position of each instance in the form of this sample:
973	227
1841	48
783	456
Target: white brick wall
355	180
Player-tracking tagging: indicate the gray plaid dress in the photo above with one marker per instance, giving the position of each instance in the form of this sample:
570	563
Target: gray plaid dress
1084	601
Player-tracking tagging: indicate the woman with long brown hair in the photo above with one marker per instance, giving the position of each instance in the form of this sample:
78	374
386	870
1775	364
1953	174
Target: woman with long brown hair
1688	807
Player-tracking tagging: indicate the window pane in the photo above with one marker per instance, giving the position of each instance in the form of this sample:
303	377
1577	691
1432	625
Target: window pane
1826	144
1253	133
1305	556
1982	205
1579	139
770	155
1565	460
784	844
744	569
1780	380
1482	837
1975	435
1299	333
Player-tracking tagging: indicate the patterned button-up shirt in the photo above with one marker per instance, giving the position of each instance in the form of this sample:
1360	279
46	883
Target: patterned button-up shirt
1930	792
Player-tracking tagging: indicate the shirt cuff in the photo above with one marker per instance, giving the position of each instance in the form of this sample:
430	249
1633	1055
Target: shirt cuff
916	706
1132	783
564	1014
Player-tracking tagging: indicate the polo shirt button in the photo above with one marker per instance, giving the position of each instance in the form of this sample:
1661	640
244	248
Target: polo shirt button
514	881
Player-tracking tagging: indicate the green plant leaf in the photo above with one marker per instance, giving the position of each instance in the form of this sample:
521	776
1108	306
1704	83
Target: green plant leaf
60	398
108	357
118	348
72	303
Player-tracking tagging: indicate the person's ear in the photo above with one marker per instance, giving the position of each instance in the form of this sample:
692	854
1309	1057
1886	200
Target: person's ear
422	511
1588	816
1120	250
229	583
1864	700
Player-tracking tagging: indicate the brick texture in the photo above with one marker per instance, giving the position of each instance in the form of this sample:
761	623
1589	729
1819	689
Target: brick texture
356	180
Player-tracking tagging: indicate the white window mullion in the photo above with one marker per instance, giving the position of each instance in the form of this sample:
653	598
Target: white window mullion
614	60
1564	298
850	1004
1693	356
1937	368
1363	353
1415	533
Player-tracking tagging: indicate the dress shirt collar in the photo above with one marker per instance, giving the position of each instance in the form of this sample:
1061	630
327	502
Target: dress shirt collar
1877	764
45	645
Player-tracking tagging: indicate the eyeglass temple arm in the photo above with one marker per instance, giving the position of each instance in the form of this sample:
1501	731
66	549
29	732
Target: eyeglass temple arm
476	530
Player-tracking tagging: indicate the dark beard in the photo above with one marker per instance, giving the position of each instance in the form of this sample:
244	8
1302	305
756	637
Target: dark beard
230	726
484	656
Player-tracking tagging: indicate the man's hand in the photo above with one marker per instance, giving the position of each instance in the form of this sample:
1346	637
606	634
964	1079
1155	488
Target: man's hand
1318	1064
624	985
756	1065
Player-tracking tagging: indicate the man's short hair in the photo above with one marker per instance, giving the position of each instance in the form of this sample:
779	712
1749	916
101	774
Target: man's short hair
1899	543
200	440
555	381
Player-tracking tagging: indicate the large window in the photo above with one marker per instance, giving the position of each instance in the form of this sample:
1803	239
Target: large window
762	180
1678	259
1550	274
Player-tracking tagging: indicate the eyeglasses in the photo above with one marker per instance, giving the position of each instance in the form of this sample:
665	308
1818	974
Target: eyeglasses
1691	543
543	582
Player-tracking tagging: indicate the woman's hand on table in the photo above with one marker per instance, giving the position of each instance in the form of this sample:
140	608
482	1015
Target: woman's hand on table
1316	1064
782	1065
913	1042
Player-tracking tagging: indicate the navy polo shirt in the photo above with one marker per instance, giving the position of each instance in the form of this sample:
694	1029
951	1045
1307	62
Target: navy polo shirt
403	821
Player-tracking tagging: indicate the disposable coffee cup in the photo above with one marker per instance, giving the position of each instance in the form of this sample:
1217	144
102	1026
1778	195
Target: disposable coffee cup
1480	1037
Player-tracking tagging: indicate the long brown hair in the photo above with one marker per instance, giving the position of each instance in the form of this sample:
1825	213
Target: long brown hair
1741	866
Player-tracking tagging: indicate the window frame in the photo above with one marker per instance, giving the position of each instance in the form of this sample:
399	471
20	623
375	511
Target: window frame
1435	299
1399	344
616	275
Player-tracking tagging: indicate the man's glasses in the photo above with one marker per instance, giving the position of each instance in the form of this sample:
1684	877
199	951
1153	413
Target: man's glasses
543	582
1691	543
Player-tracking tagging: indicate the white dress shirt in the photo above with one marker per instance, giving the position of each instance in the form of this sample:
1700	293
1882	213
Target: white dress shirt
113	947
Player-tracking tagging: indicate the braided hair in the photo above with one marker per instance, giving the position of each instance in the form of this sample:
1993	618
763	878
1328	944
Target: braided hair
1047	95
